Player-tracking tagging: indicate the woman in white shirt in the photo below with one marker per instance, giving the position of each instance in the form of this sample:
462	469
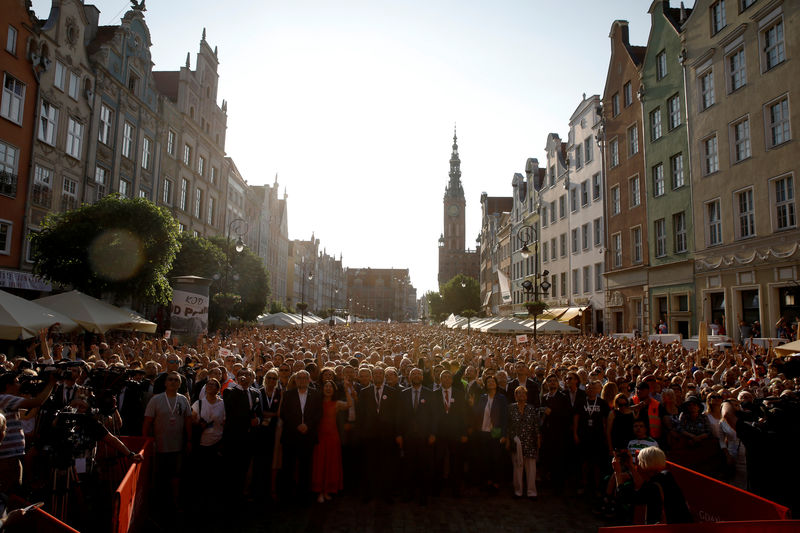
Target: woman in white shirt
209	413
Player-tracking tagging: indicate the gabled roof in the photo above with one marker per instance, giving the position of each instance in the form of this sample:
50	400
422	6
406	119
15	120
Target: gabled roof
167	83
673	15
104	35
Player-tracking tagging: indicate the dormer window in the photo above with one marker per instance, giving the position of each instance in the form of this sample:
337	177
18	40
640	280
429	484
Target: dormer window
133	83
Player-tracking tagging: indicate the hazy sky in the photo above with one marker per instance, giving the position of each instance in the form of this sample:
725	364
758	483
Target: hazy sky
353	103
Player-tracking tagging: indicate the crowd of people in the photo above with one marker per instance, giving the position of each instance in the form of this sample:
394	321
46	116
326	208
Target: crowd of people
401	411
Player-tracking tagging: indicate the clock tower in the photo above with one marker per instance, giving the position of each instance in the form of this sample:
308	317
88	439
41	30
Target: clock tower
453	258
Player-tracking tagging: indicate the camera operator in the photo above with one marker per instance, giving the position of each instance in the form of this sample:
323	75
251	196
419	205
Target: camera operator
96	432
12	448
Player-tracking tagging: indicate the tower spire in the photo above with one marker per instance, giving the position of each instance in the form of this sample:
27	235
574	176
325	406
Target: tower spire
454	187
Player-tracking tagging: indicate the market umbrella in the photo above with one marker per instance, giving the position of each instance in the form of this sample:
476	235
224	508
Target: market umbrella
96	315
788	349
22	319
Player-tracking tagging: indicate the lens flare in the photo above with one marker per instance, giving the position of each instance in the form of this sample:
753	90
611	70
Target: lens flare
116	254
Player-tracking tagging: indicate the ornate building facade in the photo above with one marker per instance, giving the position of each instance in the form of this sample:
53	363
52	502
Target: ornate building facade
454	259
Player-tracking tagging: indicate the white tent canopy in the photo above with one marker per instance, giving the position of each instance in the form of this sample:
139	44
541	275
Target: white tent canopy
555	326
22	319
279	320
506	326
95	315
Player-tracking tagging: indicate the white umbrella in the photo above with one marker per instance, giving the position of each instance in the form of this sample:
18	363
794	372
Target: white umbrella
23	319
96	315
506	326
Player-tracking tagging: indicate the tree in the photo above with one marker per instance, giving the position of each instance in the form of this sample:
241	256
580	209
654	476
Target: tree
118	245
277	307
435	304
456	298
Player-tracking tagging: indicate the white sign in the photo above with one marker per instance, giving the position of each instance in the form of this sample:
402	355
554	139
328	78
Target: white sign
522	339
224	352
189	313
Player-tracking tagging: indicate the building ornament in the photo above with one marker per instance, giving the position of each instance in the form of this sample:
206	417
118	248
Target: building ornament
757	255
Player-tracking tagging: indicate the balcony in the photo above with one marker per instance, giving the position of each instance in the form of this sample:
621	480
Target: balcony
42	195
8	184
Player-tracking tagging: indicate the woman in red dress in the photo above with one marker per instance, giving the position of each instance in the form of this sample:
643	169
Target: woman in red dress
326	477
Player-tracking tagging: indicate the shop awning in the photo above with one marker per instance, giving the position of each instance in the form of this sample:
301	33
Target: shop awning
570	313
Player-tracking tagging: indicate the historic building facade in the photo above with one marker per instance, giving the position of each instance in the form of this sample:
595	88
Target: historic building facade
625	188
555	223
670	219
381	293
741	71
454	258
494	210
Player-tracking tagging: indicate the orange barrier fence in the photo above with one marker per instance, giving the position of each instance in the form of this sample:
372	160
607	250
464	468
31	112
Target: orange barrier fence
711	500
38	520
762	526
130	496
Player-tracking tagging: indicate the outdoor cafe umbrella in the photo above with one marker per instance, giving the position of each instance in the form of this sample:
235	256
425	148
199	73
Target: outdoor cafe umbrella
22	319
96	315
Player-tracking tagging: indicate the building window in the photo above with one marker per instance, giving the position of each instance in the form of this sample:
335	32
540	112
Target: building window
171	143
585	239
598	231
676	170
13	101
661	65
616	249
714	221
562	240
100	182
588	149
706	82
740	135
147	152
615	105
6	232
585	193
198	203
674	110
553	250
69	195
201	166
11	40
184	198
545	254
774	48
717	16
213	176
575	281
778	122
181	227
74	85
746	3
587	279
562	206
106	119
544	216
167	192
60	80
737	69
74	138
679	226
578	156
627	93
745	213
144	193
655	124
636	243
615	200
210	214
633	187
597	186
552	175
8	170
187	155
553	212
563	284
124	188
784	203
614	149
127	140
598	277
658	180
574	233
633	140
710	156
133	83
661	237
48	119
42	187
573	200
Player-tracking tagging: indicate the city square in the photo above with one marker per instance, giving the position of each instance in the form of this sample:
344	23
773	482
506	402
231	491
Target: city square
246	280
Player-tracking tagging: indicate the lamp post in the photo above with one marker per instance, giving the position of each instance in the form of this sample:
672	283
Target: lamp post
303	305
528	234
239	227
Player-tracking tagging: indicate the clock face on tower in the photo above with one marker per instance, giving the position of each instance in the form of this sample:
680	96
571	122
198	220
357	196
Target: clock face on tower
452	211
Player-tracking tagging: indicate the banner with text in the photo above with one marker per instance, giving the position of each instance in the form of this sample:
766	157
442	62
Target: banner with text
189	313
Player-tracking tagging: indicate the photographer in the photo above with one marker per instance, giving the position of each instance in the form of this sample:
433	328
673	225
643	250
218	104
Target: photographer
12	448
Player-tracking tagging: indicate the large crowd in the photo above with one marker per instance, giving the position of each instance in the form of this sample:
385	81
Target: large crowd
396	411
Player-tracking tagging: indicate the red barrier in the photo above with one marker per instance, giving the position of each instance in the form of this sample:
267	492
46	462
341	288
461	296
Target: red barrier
711	500
130	496
38	520
762	526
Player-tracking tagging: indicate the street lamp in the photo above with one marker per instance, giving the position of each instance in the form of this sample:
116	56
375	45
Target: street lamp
527	234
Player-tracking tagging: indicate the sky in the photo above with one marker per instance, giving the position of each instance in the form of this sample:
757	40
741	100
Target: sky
353	103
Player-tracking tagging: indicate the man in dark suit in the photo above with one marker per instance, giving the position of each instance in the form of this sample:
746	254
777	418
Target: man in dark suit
301	412
242	413
451	433
375	424
534	394
416	435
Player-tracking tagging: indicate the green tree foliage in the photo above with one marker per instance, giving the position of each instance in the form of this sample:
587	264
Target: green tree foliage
118	245
252	284
435	304
453	298
199	257
277	307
